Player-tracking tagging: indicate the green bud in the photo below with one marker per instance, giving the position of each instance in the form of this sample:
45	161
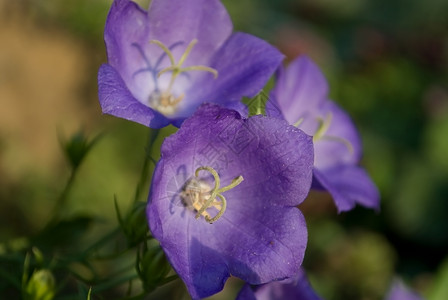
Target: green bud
135	225
41	286
77	147
153	267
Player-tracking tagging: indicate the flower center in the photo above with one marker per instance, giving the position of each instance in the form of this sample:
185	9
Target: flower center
166	102
199	196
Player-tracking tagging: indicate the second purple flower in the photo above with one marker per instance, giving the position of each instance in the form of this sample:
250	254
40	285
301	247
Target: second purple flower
162	64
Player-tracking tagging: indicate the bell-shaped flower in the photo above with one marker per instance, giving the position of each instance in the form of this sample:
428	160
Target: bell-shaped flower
300	96
224	195
297	287
164	62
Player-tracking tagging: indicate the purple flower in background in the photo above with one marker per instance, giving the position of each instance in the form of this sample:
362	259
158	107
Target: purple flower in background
399	291
300	96
297	287
223	197
162	64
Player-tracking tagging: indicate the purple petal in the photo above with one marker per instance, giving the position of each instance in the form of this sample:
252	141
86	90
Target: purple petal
297	287
116	100
207	21
261	236
244	64
272	108
399	291
349	185
341	143
126	26
300	89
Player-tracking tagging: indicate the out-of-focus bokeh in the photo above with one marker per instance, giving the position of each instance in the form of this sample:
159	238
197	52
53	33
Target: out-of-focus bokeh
386	62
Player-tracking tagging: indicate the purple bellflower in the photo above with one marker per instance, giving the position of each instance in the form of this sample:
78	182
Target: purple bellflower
300	96
297	288
399	291
223	197
163	63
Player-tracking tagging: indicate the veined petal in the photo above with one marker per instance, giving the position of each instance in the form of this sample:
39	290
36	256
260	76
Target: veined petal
341	143
349	185
117	100
244	64
207	21
126	26
300	90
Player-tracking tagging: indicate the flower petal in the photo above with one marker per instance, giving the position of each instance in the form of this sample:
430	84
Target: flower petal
341	143
244	64
298	287
207	21
265	245
300	90
116	99
126	26
349	185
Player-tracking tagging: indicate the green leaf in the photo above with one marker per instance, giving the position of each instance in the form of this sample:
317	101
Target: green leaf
257	104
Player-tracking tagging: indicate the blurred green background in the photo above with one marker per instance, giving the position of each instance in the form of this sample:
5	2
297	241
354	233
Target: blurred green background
387	64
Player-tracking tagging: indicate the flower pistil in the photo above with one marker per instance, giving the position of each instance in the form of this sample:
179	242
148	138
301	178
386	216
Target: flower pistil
165	101
322	128
198	195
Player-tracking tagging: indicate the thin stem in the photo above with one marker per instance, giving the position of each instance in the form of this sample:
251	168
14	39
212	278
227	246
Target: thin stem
152	136
168	279
63	198
114	282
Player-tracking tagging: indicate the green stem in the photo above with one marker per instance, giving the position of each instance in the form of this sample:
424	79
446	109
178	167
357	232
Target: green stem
113	283
144	176
168	279
62	198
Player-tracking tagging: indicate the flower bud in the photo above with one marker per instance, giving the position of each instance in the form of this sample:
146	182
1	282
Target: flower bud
41	286
77	147
153	267
135	226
